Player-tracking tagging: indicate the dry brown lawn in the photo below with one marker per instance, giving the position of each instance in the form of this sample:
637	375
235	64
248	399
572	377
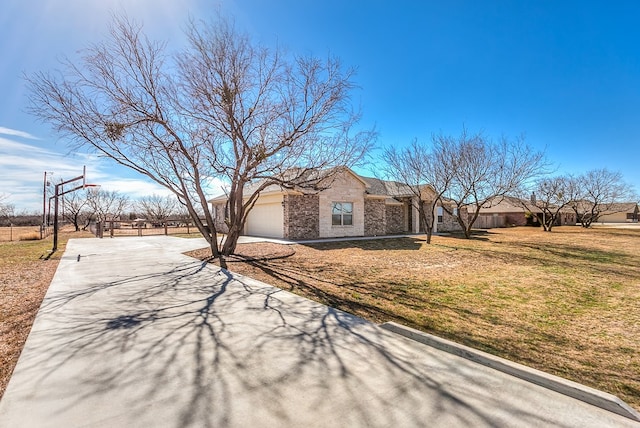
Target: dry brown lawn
26	270
566	302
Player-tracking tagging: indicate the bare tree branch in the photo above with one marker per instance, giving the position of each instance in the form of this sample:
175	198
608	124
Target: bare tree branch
552	195
7	209
223	107
599	191
423	173
483	171
106	204
77	209
157	208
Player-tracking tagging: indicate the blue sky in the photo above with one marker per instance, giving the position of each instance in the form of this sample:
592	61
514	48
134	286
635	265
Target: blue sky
565	74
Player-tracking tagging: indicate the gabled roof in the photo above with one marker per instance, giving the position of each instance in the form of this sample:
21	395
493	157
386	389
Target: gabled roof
392	189
378	187
295	181
626	207
313	180
618	207
508	204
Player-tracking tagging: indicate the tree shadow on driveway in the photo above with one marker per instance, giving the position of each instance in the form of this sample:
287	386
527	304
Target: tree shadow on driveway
182	344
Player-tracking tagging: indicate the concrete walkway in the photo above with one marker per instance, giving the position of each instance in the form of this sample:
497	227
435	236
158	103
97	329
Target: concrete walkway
134	334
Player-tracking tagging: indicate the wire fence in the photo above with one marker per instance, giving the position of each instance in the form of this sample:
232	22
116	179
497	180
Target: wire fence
102	230
24	233
117	229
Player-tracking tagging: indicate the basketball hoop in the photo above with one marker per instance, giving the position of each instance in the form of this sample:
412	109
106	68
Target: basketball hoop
59	191
92	188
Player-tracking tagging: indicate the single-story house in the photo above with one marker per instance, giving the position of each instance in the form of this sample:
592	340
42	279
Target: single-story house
627	212
509	211
348	205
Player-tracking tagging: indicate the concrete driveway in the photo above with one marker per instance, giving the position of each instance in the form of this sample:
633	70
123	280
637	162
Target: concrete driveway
134	334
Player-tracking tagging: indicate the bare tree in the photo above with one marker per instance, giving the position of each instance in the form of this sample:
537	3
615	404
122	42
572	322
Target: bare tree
599	192
107	205
7	210
483	172
223	107
552	195
423	174
157	208
77	209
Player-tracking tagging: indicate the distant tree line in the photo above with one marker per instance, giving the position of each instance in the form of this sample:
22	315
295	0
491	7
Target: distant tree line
472	171
10	217
84	208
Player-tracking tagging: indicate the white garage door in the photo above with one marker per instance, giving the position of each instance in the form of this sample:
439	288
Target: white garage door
265	220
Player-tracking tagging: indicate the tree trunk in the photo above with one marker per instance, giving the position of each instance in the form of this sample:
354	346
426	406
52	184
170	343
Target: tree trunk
545	222
586	223
551	222
236	218
230	242
427	220
466	227
214	248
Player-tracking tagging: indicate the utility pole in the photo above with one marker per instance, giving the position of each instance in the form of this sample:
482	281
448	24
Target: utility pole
44	205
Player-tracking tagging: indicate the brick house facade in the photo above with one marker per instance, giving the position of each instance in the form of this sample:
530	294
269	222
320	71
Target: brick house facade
350	205
301	213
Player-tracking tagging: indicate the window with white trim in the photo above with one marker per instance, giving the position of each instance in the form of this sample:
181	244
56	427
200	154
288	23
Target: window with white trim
440	215
342	214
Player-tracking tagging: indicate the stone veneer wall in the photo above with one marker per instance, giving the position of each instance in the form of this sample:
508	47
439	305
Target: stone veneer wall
344	188
301	216
449	223
374	217
395	219
218	220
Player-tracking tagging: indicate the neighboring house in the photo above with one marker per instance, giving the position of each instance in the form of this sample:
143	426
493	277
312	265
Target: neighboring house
348	205
138	223
621	213
509	211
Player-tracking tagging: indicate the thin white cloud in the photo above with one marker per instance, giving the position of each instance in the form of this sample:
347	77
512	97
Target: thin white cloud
22	168
216	187
133	187
16	133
